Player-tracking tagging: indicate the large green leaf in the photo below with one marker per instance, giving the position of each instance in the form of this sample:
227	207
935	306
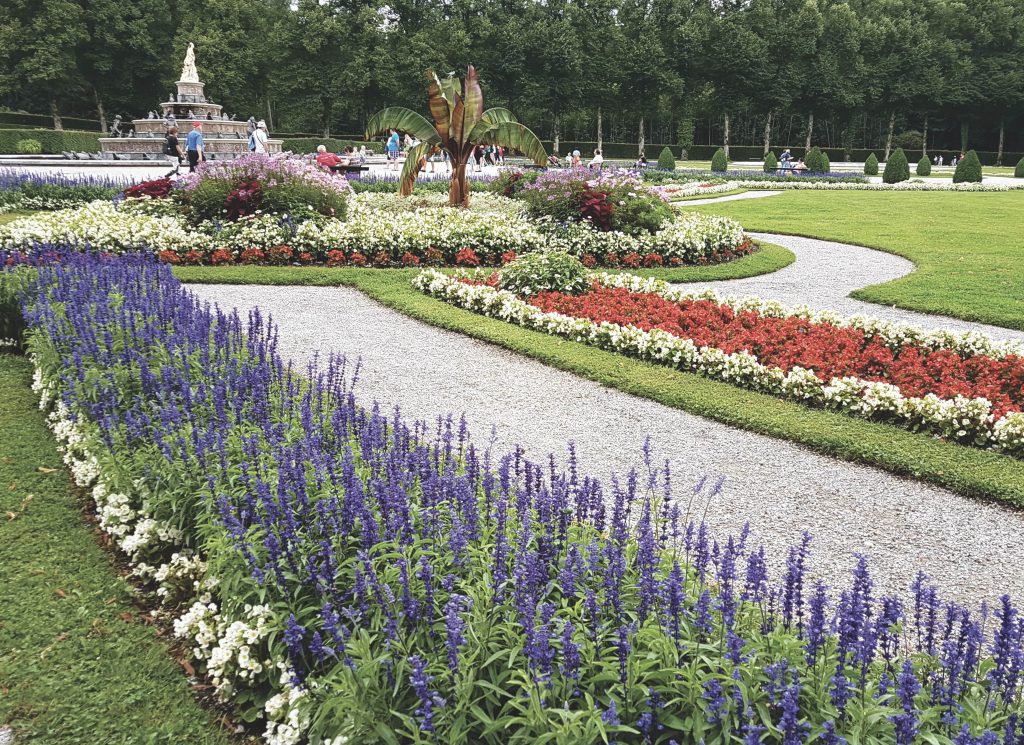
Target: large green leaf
516	136
403	120
411	167
440	106
473	98
490	119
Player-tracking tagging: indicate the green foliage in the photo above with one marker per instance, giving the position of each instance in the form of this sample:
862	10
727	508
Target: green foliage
1018	172
309	145
556	271
871	165
813	161
666	161
639	214
909	140
19	120
28	147
924	166
771	163
826	165
897	168
78	660
52	141
719	163
968	170
510	183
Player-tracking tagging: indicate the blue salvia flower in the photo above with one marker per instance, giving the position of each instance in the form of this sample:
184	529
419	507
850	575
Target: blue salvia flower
829	736
816	623
907	687
294	634
455	625
610	716
717	702
794	731
429	700
570	653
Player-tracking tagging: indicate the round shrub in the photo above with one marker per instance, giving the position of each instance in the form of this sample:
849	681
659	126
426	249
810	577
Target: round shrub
813	160
896	168
968	170
28	147
924	166
771	163
871	165
719	163
826	164
1018	172
666	161
555	271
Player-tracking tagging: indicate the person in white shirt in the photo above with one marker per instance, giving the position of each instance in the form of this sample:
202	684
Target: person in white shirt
260	137
597	162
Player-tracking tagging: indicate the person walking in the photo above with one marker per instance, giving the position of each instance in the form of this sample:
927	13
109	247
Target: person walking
194	146
260	138
392	150
173	152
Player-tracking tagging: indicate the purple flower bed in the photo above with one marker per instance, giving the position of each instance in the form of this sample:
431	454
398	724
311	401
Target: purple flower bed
38	191
342	572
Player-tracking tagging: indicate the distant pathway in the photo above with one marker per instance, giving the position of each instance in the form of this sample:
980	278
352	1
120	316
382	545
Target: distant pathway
780	488
826	272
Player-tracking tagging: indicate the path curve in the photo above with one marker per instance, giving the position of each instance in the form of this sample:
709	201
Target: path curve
752	194
825	273
779	487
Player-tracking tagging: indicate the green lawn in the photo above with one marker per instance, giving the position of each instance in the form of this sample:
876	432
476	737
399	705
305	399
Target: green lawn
968	248
77	662
962	469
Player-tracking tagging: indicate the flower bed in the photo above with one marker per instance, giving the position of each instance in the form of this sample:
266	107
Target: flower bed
344	577
34	191
964	388
380	230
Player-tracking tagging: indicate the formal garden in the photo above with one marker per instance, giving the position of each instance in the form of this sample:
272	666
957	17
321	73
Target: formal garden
536	451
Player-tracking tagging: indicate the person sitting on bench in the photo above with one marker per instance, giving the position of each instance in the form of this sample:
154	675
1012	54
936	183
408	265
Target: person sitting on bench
330	161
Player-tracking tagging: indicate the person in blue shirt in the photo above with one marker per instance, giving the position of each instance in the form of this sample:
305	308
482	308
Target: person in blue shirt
392	148
194	146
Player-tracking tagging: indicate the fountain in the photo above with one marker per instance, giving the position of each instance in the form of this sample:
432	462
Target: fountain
224	138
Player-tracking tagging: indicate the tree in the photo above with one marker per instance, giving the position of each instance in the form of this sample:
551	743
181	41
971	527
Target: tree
719	163
924	166
460	125
968	170
771	163
666	161
871	165
38	43
896	167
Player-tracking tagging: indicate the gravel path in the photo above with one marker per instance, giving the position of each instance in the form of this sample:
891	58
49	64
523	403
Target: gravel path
825	273
756	194
780	488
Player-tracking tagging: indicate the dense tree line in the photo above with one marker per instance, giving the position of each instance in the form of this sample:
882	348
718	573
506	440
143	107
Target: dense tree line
851	74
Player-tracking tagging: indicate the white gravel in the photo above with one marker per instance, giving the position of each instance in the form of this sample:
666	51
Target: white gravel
754	194
968	547
825	273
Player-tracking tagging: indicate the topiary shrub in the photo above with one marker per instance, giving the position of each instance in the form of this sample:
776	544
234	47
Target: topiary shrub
871	165
1018	172
896	168
924	166
968	170
666	161
813	160
826	165
719	163
28	147
771	163
539	271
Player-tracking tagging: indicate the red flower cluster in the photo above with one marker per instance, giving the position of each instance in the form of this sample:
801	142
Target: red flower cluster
508	257
221	256
467	257
830	351
280	254
155	189
252	256
169	257
409	259
244	200
597	207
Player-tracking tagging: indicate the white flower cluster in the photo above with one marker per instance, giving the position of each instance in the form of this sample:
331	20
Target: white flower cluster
801	182
967	420
684	190
233	649
103	226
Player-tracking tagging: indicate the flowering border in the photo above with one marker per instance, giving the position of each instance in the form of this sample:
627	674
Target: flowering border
968	421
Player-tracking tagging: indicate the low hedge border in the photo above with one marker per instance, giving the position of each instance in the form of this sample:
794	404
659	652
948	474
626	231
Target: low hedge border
53	141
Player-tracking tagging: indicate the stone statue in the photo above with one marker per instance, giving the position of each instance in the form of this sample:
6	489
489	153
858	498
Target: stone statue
188	70
190	114
151	115
115	128
170	121
171	99
131	132
232	117
250	126
209	116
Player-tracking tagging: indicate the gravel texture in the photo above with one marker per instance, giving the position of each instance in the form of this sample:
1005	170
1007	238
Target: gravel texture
780	488
825	273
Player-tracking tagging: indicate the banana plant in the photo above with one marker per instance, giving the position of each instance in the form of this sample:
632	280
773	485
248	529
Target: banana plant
460	125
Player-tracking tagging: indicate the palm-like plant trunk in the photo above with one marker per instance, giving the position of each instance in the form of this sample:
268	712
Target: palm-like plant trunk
458	192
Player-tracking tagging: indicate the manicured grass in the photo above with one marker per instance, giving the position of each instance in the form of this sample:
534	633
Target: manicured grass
78	664
961	469
968	248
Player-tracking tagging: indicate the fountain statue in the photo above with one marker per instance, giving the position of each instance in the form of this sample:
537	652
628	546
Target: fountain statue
188	70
